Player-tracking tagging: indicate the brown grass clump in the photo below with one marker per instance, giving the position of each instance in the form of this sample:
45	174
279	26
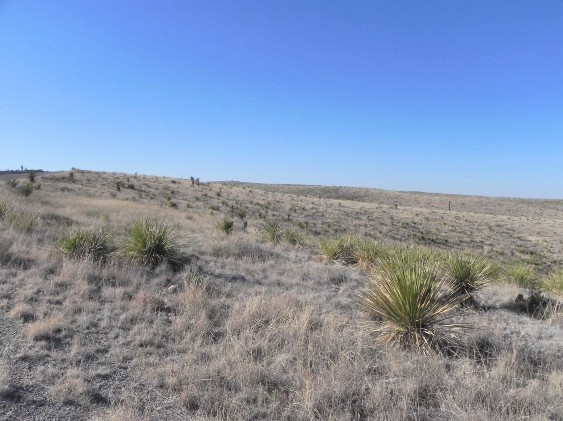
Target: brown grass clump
46	329
23	311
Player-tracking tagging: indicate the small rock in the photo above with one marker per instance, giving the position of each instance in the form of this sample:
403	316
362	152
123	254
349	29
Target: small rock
172	288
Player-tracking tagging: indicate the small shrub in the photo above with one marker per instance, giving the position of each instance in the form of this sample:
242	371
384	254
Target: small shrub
26	189
523	276
272	231
554	283
469	273
241	213
95	244
294	238
4	209
367	252
153	241
413	305
31	176
340	250
226	225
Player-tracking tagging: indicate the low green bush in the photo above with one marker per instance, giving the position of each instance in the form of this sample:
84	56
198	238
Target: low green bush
412	305
225	225
272	231
153	241
469	273
95	244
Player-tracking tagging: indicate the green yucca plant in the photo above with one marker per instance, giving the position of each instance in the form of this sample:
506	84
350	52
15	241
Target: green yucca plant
366	251
294	238
226	225
413	304
95	244
153	241
523	276
469	273
554	283
339	250
272	231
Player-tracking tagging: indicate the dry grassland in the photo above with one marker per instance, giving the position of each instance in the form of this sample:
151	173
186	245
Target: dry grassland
247	330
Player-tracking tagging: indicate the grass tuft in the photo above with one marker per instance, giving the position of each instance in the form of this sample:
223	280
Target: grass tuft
413	304
469	273
294	238
153	241
226	225
523	276
272	231
554	283
95	244
340	250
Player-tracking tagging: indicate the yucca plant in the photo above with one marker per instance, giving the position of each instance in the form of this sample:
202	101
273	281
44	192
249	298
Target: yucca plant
294	238
366	251
340	250
226	225
554	283
153	241
469	273
413	305
272	231
95	244
523	276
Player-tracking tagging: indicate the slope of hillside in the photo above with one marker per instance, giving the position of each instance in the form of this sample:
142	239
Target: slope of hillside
251	330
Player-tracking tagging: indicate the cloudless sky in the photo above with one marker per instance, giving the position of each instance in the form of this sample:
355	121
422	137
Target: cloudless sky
447	96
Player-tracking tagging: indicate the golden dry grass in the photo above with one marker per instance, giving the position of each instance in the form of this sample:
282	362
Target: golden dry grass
250	330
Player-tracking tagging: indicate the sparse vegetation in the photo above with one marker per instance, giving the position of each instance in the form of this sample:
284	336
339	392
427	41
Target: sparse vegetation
243	330
26	189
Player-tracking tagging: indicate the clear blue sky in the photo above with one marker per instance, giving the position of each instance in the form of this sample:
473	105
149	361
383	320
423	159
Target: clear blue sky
446	96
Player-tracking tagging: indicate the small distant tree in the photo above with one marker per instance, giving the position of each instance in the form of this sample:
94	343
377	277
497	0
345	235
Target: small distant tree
197	181
31	176
71	176
192	180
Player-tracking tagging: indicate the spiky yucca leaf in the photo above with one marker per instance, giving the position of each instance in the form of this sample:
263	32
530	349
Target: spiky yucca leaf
523	276
554	283
226	225
272	231
95	244
153	241
413	304
469	273
339	250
